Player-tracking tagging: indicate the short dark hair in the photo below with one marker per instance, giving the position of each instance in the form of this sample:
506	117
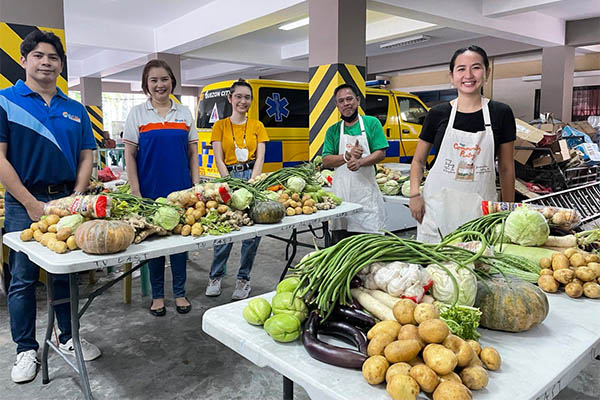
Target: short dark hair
473	48
36	37
238	83
346	86
157	64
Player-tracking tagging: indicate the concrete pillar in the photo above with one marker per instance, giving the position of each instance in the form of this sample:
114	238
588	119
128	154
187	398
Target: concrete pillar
91	91
174	62
336	45
558	67
19	18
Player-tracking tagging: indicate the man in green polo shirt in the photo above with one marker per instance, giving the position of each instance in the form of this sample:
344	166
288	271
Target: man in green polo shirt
353	146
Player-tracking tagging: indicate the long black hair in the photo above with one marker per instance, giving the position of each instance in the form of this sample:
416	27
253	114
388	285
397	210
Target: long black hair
473	48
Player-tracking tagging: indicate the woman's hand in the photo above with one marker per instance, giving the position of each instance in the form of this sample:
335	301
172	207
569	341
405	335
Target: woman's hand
417	208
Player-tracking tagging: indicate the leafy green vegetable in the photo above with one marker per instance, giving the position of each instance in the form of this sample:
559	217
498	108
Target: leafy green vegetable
526	227
462	320
311	188
295	184
270	195
390	188
71	221
443	286
241	199
257	311
166	217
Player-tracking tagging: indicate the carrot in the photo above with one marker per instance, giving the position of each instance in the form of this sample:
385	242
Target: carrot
275	188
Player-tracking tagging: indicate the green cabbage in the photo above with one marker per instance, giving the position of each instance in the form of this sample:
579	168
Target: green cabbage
71	221
166	217
526	227
283	327
390	188
241	199
443	286
288	285
271	195
286	303
257	311
295	184
406	188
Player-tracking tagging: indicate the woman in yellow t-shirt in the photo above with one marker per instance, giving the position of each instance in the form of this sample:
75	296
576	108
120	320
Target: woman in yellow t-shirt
239	147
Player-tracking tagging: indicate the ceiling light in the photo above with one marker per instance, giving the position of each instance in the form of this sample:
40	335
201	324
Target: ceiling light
294	25
407	41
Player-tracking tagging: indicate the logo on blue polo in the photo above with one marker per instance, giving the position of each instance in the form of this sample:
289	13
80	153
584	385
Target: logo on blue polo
72	117
277	107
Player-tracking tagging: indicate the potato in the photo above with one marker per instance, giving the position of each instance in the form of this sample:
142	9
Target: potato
34	226
590	258
290	211
50	244
475	361
189	211
60	247
400	368
46	237
564	276
578	281
26	235
433	331
570	252
52	228
200	205
374	369
452	376
71	243
305	197
559	261
310	203
307	210
425	377
52	219
594	266
402	350
190	220
491	358
177	229
186	230
199	213
548	283
450	390
475	378
295	197
43	226
404	311
547	271
378	343
545	262
416	361
298	210
585	274
211	204
440	359
390	327
197	229
574	289
425	311
284	196
63	233
37	235
222	208
577	260
591	290
410	332
403	387
464	352
475	346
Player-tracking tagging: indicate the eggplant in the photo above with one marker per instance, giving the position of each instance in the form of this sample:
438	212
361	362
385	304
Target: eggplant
345	330
355	317
355	282
326	352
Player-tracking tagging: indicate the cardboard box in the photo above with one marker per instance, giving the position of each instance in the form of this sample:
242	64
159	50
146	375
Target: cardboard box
528	132
560	153
522	155
585	127
552	128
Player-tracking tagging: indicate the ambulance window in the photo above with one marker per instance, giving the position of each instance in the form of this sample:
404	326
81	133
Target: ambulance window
377	106
283	108
411	110
213	107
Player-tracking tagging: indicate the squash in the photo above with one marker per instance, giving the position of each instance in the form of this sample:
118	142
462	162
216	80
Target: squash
104	237
511	305
267	212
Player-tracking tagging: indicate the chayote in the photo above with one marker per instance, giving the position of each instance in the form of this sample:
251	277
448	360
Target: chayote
286	303
288	285
283	327
257	311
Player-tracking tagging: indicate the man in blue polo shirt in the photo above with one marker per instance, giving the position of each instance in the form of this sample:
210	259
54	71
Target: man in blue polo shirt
46	145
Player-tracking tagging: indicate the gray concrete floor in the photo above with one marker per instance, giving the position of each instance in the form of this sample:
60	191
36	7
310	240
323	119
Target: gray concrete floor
171	358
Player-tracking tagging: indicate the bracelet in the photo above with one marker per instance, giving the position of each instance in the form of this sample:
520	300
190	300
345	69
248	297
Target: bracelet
414	195
344	157
78	193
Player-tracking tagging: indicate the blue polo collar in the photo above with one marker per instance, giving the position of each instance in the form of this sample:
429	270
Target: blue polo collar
25	90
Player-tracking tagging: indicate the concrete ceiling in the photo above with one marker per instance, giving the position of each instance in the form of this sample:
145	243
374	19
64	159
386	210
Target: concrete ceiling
217	40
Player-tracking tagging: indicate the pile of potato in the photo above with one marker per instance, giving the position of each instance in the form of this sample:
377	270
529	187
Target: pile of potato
45	232
296	205
579	272
417	352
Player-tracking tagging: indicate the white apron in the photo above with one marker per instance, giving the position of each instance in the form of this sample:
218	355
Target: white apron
463	175
358	187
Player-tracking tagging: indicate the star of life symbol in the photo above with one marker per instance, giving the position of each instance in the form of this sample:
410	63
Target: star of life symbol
277	107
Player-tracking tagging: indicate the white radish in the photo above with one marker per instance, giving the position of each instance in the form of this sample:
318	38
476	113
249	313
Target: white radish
383	297
372	305
561	241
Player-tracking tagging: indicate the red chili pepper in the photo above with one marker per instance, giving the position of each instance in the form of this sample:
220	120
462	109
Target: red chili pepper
224	194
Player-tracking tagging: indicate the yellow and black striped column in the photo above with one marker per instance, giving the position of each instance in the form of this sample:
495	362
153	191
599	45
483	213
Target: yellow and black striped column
96	118
11	36
323	113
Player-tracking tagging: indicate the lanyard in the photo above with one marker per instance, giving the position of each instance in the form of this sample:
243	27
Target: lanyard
233	136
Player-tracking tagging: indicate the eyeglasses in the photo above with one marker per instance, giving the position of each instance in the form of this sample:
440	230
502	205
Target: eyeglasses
343	100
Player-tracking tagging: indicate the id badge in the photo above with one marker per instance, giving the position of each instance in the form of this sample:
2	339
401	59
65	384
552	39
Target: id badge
241	154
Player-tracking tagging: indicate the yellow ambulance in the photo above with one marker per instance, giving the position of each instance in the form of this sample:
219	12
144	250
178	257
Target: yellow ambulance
283	108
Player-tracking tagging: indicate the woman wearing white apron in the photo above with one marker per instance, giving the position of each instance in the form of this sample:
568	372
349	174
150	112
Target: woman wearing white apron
468	134
353	146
